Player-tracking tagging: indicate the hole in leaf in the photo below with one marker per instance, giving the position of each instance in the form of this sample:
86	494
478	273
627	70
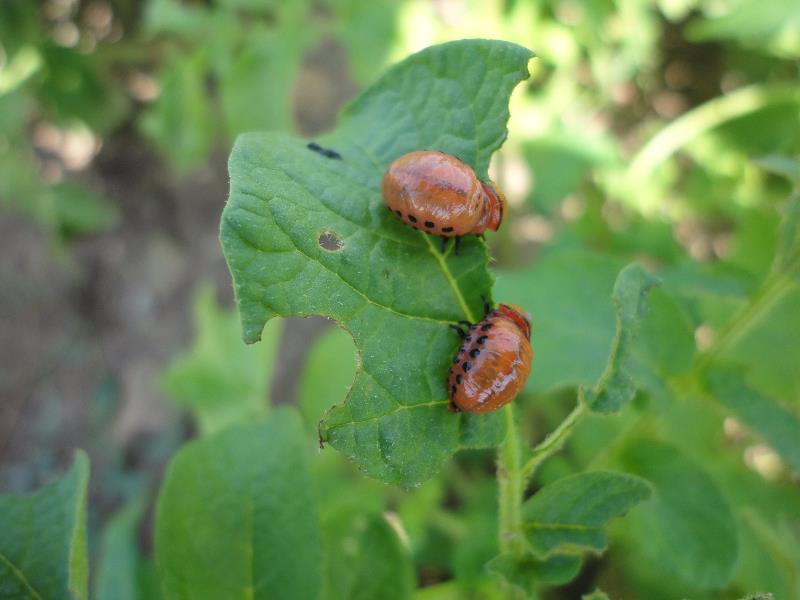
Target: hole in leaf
330	241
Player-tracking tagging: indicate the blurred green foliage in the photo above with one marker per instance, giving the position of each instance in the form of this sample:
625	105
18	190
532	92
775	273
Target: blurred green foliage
666	132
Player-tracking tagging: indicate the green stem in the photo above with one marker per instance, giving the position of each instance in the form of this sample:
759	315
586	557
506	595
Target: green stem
511	486
704	118
513	476
774	289
554	442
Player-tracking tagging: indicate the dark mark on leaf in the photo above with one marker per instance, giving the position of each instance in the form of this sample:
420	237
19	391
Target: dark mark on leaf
315	147
329	241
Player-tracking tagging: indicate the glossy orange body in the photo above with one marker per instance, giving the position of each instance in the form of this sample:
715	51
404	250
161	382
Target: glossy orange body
493	363
437	193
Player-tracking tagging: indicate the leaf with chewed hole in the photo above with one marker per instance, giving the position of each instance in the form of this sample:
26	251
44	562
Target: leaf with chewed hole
306	232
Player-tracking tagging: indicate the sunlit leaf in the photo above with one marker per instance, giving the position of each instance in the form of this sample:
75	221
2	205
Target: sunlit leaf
389	286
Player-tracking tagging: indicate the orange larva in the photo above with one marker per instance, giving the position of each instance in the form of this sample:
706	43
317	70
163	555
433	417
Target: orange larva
493	362
437	193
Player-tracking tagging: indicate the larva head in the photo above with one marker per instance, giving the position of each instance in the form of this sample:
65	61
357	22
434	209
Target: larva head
496	205
518	315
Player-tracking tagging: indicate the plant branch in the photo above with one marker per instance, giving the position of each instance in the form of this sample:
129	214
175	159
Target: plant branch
774	289
555	440
511	486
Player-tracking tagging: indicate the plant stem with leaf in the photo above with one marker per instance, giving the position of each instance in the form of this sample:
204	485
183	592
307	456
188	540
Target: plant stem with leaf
514	475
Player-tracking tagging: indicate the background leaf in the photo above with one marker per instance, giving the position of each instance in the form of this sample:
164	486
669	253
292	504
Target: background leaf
181	123
779	426
616	386
117	576
364	558
527	572
236	516
568	516
769	350
572	330
328	374
687	528
220	380
384	282
43	541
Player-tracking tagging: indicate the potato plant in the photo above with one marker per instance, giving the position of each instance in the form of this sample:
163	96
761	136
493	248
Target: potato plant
626	442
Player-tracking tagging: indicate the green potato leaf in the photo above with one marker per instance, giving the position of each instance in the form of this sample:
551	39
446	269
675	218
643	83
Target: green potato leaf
568	516
305	234
182	123
527	572
220	380
616	386
117	576
787	259
43	539
770	350
571	331
687	528
365	558
237	517
779	426
598	594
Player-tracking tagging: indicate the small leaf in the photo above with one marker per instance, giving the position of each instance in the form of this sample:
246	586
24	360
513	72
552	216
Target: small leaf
779	426
389	286
255	90
181	123
598	594
616	386
43	540
236	516
687	528
568	516
222	381
527	573
365	558
118	569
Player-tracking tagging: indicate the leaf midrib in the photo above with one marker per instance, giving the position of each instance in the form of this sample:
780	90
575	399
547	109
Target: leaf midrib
20	576
380	170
